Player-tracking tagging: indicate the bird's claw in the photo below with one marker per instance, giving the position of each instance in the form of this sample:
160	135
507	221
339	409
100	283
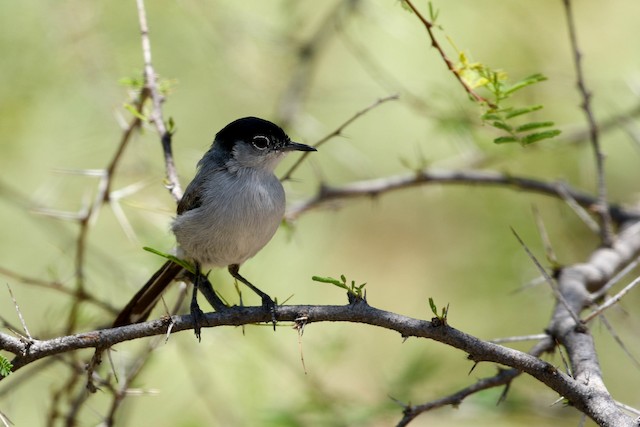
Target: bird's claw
198	319
270	306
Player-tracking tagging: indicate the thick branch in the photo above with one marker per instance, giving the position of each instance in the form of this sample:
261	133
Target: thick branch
578	283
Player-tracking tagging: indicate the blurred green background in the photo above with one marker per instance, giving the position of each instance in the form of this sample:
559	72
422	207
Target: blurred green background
61	111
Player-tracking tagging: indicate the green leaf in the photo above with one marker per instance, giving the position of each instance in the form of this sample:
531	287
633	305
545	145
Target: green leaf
5	366
182	263
130	108
405	6
445	312
171	126
132	82
491	116
432	304
533	125
521	111
533	79
433	13
505	139
330	280
166	85
352	289
156	252
534	137
502	125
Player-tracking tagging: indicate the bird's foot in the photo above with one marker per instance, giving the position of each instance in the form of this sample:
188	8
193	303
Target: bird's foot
270	306
197	315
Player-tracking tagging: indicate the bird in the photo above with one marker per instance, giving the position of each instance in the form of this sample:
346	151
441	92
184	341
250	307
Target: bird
228	213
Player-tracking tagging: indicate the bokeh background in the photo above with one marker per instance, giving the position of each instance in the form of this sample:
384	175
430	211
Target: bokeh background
62	110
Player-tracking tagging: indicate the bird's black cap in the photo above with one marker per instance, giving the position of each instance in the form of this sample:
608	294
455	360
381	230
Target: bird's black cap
246	128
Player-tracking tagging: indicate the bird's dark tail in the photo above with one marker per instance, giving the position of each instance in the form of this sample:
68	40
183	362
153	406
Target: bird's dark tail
140	306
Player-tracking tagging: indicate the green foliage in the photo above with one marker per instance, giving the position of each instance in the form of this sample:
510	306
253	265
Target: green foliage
134	111
5	366
136	85
474	75
433	13
443	314
171	126
501	117
184	264
353	289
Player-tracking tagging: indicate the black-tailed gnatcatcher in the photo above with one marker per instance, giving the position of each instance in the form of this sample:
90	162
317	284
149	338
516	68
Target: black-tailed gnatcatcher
230	210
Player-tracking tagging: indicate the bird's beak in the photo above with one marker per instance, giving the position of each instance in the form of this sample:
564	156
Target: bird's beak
296	146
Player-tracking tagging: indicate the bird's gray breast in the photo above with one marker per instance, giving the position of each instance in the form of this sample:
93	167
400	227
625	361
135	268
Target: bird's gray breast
237	215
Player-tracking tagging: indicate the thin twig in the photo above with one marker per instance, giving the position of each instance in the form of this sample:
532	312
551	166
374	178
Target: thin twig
628	408
552	283
434	43
410	412
546	240
618	340
132	373
59	287
612	123
5	420
615	279
612	301
565	362
503	377
505	340
606	226
578	209
151	84
15	304
338	131
134	124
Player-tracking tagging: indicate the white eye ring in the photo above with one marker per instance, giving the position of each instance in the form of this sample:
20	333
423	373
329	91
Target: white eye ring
260	142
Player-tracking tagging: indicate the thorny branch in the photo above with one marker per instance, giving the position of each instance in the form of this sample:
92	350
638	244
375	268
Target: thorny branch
151	85
378	186
504	377
581	394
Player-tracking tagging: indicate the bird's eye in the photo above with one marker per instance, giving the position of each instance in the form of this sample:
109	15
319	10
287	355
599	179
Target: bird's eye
261	142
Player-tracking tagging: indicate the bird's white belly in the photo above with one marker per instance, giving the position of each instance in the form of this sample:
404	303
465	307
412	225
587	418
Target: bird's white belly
218	234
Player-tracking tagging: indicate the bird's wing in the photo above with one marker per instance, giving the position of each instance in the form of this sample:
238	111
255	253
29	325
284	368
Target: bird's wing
190	200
